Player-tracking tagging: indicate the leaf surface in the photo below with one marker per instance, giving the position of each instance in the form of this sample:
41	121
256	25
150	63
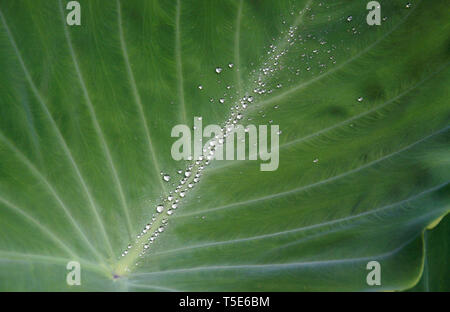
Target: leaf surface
86	114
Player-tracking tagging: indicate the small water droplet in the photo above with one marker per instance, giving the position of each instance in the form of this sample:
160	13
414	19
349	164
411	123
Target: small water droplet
222	100
230	65
408	5
218	70
159	208
161	229
170	212
349	18
316	160
200	87
360	99
166	177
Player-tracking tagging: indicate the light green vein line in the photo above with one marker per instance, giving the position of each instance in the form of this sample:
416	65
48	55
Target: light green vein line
104	145
137	97
27	257
308	227
289	265
49	116
179	64
312	185
52	191
41	227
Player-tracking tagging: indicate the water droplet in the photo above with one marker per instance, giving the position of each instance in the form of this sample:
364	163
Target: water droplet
187	174
408	5
349	18
170	212
182	194
222	100
239	116
159	208
174	206
230	65
316	160
250	99
161	229
279	132
360	99
166	177
218	70
200	87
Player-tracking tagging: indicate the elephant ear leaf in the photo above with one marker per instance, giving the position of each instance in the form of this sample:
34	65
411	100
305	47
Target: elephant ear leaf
91	196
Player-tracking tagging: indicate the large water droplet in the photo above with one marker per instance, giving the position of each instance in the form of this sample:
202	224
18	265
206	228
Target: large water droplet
159	208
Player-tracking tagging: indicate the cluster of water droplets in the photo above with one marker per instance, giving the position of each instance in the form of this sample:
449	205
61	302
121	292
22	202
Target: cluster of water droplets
168	205
191	175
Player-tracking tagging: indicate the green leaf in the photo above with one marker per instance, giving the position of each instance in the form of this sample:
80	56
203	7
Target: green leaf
436	271
86	114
